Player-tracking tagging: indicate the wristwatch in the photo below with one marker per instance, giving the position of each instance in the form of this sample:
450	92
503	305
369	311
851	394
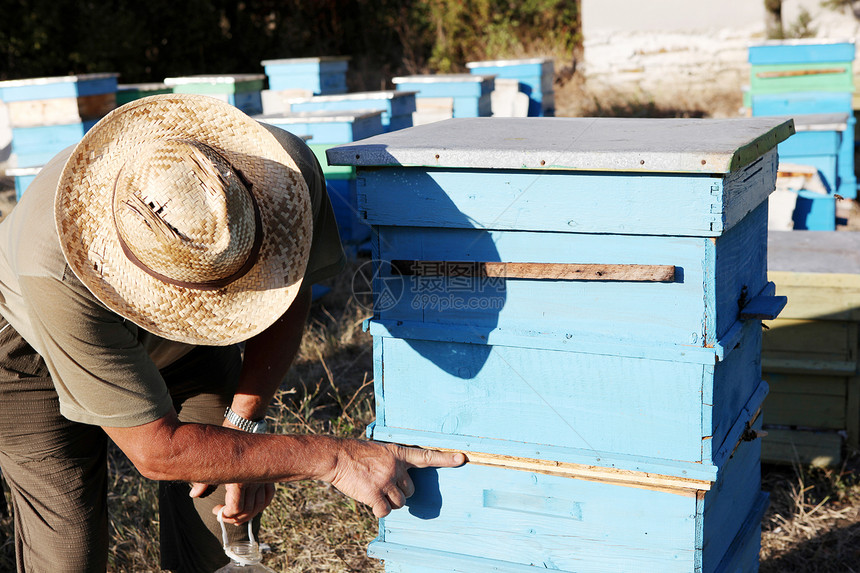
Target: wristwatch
254	427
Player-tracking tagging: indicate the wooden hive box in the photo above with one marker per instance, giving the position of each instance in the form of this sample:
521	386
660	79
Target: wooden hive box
469	93
319	76
810	353
535	76
396	106
240	90
49	114
327	129
816	144
576	304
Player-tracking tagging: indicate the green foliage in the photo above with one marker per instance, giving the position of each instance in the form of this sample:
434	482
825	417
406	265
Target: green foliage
148	41
468	30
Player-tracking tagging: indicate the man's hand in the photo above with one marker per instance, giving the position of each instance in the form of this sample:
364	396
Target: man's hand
242	501
376	474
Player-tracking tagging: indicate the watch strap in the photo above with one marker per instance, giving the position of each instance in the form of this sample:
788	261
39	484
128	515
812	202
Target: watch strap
244	424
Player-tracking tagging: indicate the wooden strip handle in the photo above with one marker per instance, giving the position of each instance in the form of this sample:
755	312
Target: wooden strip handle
538	271
643	480
795	73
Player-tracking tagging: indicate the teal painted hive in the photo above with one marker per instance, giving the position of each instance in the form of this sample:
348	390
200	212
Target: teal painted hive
810	76
576	304
240	90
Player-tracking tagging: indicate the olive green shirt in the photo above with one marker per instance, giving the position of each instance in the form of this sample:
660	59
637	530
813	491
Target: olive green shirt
106	368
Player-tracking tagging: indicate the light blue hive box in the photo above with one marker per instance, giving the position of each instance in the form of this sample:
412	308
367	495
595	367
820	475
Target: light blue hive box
576	304
325	130
49	114
396	106
817	143
535	77
449	95
317	76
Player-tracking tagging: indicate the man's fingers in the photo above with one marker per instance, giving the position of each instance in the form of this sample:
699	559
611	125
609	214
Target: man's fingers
406	486
396	498
419	458
201	490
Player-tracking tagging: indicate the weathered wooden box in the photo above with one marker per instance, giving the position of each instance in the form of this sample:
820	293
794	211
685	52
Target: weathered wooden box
396	106
239	90
579	298
811	353
535	76
319	76
325	130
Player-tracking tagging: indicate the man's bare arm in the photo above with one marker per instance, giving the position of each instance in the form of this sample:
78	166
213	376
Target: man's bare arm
370	472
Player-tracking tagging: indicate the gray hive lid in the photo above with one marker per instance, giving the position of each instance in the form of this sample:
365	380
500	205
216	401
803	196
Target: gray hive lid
322	116
579	144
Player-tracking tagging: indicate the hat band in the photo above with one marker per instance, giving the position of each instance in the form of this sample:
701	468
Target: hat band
253	255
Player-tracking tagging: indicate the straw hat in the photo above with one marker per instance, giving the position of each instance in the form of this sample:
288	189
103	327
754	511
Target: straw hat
187	217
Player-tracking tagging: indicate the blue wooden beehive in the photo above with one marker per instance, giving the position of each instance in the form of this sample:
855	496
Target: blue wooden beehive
813	76
327	129
239	90
49	114
535	76
318	76
576	304
396	106
465	95
816	144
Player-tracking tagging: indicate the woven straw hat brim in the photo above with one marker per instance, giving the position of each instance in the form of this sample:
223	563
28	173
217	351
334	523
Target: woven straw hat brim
85	223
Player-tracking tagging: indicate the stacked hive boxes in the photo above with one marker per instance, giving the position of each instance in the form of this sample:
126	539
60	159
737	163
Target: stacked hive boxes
811	353
443	96
534	78
796	77
302	77
576	304
325	130
240	90
816	144
49	114
396	106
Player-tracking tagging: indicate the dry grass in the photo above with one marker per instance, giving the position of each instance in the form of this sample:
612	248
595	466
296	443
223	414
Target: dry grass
813	522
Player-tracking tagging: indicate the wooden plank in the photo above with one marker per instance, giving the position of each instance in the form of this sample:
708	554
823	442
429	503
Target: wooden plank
799	72
800	339
58	111
819	449
536	271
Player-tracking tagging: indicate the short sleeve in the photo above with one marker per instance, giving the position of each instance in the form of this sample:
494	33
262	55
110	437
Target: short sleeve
102	373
